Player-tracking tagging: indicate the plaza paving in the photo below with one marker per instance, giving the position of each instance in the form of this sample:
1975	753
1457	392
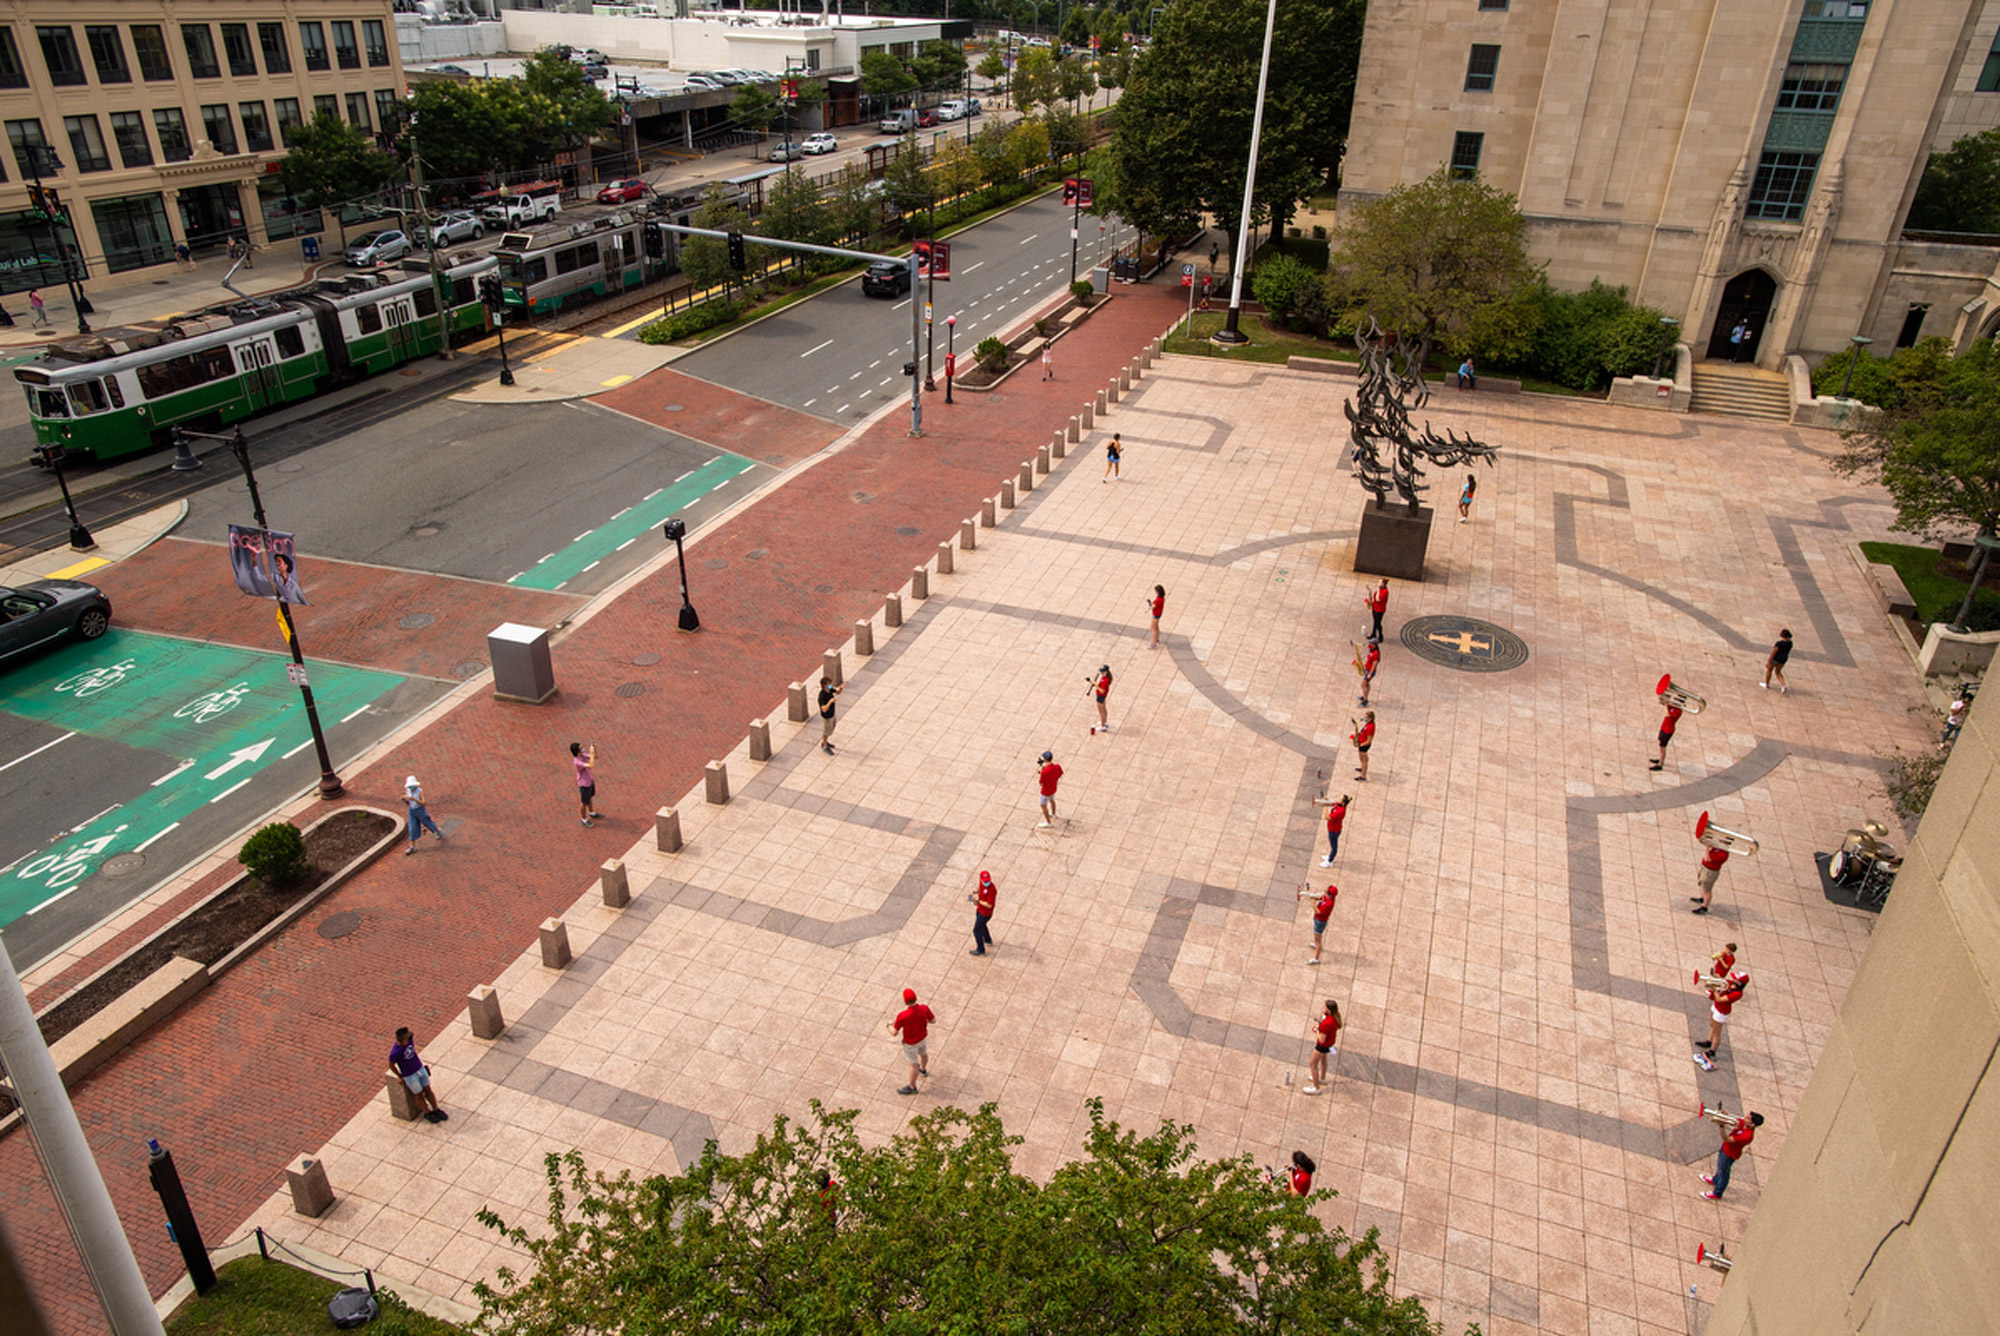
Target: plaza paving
1514	1102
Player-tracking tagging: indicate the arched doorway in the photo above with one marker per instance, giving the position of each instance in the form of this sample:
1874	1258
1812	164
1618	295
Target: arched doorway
1747	298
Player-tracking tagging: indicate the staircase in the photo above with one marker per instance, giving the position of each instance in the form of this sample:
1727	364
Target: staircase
1740	391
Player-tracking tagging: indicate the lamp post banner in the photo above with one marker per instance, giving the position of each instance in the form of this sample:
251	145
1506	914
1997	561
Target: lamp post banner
265	563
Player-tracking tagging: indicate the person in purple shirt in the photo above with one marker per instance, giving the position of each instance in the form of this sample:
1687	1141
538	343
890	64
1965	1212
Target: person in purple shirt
403	1058
583	758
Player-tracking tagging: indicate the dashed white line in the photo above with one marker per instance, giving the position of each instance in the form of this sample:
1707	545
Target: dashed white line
872	365
351	713
51	900
626	511
657	490
627	543
296	750
37	751
688	474
585	534
841	409
1025	240
970	268
591	567
810	402
810	351
231	789
855	376
141	848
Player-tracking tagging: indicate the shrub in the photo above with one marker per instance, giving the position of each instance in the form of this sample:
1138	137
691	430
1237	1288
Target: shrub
1283	285
1081	289
1580	340
1912	779
992	354
694	320
276	855
1319	232
1886	382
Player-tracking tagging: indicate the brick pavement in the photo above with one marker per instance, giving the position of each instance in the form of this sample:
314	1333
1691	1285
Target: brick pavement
276	1056
755	428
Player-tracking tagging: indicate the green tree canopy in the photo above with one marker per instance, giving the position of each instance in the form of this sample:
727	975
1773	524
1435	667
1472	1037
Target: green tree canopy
457	128
937	1232
331	162
1936	447
1960	191
754	108
1034	83
882	75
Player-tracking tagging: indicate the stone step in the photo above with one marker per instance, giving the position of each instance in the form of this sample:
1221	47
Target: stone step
1740	392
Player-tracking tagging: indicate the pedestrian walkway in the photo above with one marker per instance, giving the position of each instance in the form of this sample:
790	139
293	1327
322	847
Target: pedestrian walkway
172	291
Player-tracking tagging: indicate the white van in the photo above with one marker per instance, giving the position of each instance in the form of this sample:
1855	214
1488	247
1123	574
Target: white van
899	122
953	109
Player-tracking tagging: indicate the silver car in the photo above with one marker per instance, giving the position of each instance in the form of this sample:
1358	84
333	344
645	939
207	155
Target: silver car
41	612
456	226
377	247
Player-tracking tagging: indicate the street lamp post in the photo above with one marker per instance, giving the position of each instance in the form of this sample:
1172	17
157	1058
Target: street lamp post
950	355
1229	334
676	529
930	292
49	213
1667	327
1853	355
79	537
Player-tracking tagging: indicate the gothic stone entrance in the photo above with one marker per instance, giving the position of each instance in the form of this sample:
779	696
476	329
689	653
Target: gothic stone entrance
1748	296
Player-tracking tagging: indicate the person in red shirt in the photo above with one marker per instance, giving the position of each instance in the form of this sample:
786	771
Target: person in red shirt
829	1198
1300	1181
1378	603
1711	868
1722	999
1369	662
982	912
1159	605
1734	1142
1051	775
1364	738
1667	726
913	1023
1336	817
1321	913
1100	687
1326	1042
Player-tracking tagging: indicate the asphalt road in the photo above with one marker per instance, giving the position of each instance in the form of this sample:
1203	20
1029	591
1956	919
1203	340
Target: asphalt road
840	356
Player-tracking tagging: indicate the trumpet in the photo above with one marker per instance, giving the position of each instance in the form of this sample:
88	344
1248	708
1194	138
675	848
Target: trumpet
1720	1116
1729	841
1679	697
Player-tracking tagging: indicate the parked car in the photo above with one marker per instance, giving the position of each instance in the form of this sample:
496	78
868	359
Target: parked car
787	151
456	226
729	77
619	192
41	612
820	143
952	110
449	69
885	278
899	121
700	82
594	71
377	247
926	119
972	107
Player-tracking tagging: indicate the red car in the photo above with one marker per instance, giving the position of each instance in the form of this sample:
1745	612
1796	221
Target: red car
926	119
618	192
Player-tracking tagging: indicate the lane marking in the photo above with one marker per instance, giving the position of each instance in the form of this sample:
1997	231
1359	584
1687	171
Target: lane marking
614	382
970	268
352	713
231	789
810	351
84	567
37	751
1025	240
51	900
585	534
559	568
141	847
810	402
841	409
627	543
296	750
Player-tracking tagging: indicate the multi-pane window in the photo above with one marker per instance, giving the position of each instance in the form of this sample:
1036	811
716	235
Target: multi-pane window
385	109
1989	73
289	120
200	44
1782	185
29	147
172	127
60	54
1465	147
256	128
221	131
357	110
312	40
344	50
13	74
236	47
1481	68
86	141
129	129
107	52
1811	87
377	41
1493	4
326	104
277	56
1837	9
149	43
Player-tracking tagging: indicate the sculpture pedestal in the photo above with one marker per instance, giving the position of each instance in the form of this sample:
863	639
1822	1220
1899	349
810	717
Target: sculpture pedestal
1393	541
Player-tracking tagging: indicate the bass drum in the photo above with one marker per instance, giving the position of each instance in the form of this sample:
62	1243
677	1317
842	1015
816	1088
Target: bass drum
1836	866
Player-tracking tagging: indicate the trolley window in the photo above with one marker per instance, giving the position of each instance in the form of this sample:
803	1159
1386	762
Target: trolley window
517	271
426	300
87	397
186	372
49	403
369	319
462	293
290	342
117	395
576	257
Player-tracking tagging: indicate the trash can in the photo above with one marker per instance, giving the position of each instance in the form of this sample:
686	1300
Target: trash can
521	667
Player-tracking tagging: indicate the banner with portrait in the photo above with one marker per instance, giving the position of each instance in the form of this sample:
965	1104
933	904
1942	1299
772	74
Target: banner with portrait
265	563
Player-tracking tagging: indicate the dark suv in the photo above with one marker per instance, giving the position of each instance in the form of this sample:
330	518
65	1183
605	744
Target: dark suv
886	278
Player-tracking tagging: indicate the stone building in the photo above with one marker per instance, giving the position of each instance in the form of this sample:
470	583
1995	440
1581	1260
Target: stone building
1749	162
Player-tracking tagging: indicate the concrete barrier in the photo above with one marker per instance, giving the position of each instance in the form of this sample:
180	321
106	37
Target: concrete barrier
1087	420
920	582
667	830
93	1042
312	1195
864	637
1109	394
1006	494
1024	477
944	558
613	884
829	666
403	1105
1042	461
555	944
892	610
968	535
1057	447
1074	432
795	702
715	776
482	1007
760	739
988	513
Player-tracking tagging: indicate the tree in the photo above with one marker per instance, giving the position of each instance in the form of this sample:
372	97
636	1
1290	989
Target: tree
1034	80
936	1231
993	69
457	129
1434	258
555	107
1960	191
884	76
754	108
1937	450
939	66
1182	140
332	163
705	260
793	210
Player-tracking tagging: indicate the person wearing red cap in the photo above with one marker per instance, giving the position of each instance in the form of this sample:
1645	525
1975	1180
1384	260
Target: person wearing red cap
1321	913
1711	868
982	912
913	1024
1722	999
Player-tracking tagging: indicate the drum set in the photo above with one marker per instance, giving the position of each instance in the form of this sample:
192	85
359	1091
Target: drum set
1866	862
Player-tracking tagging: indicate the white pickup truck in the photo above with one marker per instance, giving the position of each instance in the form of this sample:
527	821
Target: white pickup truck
520	209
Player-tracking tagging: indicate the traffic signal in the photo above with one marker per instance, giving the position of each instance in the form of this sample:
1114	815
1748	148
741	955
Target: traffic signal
489	291
739	258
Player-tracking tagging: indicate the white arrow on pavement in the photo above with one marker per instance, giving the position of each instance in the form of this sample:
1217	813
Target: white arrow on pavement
253	752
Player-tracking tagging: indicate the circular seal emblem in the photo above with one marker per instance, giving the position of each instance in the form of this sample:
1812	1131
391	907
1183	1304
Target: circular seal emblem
1464	643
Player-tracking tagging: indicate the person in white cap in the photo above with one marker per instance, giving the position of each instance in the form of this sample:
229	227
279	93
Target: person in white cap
420	817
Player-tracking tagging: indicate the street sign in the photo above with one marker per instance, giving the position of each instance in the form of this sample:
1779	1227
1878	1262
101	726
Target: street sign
1083	189
296	673
1187	275
933	259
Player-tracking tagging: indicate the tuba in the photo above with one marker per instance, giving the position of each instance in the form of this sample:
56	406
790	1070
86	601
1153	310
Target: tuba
1729	841
1679	697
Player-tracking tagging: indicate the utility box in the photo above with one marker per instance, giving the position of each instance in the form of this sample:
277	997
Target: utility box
1100	279
521	667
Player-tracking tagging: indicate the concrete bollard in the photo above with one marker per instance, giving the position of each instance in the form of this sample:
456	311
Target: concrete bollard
864	637
988	513
312	1195
760	739
944	558
920	582
1006	494
1074	432
1108	395
667	830
1085	421
403	1105
482	1004
892	611
795	702
1098	404
1058	447
716	777
968	535
612	881
1026	477
1129	376
555	944
829	666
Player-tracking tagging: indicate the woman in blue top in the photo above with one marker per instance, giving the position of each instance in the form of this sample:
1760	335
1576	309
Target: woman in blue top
1465	498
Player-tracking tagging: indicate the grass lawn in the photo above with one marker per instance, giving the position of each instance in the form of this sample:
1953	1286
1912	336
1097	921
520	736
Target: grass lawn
1269	343
253	1297
1938	596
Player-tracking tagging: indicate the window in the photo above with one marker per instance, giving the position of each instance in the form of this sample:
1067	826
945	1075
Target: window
344	49
368	319
426	301
13	74
86	141
1783	182
1465	146
1989	74
256	129
1481	67
200	44
135	235
107	52
290	342
289	120
1811	87
377	43
277	56
26	137
1913	324
129	129
236	46
150	44
1493	4
60	54
576	257
385	110
88	397
220	129
172	126
186	372
326	104
312	40
357	111
1837	9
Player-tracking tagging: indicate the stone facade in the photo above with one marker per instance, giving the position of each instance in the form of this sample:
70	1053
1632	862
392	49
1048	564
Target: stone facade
1722	162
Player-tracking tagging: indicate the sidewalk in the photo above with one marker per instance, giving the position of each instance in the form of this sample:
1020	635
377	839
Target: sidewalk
172	291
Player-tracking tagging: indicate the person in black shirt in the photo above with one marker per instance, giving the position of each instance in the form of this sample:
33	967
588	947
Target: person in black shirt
827	691
1781	653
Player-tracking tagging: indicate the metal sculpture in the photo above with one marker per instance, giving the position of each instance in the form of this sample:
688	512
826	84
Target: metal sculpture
1392	385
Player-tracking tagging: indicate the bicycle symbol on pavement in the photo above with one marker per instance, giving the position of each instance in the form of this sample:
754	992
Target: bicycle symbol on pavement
94	680
68	866
210	704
